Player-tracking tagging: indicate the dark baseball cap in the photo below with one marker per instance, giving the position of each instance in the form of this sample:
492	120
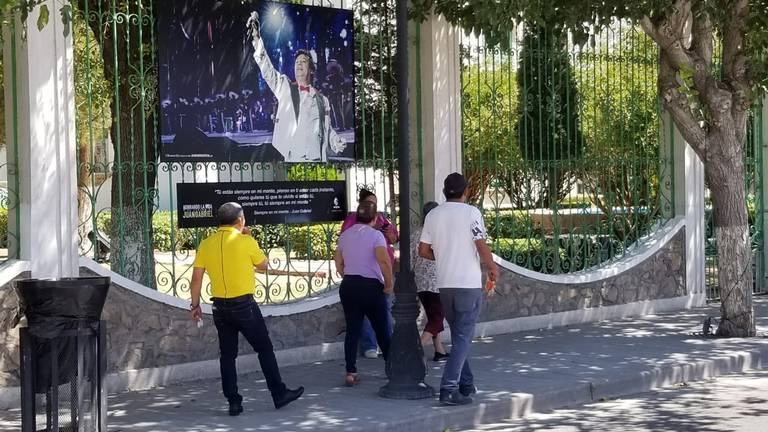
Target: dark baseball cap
454	184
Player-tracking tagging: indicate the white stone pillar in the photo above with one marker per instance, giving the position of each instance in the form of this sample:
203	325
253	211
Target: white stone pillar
441	104
47	169
688	173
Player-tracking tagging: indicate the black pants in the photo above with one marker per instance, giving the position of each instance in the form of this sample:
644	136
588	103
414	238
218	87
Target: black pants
242	315
363	297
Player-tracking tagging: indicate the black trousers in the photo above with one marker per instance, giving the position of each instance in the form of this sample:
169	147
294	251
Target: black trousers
363	297
242	315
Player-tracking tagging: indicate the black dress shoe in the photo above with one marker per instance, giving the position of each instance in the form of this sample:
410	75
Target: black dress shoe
467	390
287	397
235	408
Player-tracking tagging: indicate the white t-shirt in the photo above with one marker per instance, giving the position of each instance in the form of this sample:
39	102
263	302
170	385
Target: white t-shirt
452	228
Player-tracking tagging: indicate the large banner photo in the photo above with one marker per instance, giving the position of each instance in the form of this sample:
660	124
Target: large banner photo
255	82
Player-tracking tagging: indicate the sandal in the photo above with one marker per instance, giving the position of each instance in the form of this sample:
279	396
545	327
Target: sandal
351	380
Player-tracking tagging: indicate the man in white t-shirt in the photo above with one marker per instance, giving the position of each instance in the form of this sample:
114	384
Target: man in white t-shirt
454	236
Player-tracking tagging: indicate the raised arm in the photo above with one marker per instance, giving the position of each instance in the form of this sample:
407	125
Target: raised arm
263	267
273	78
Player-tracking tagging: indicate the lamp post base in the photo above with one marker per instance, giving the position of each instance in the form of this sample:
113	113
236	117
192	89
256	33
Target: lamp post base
406	368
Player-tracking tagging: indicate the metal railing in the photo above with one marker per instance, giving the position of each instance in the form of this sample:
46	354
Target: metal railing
127	198
562	145
10	222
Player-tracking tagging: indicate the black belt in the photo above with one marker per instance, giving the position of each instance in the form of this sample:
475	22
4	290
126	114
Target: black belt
240	299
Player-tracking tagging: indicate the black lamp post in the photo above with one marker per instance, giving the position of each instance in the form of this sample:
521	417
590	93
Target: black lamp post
405	365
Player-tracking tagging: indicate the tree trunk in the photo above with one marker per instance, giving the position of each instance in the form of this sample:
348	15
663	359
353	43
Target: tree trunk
84	205
725	176
128	65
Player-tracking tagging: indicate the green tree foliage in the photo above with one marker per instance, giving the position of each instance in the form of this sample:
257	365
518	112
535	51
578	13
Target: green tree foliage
489	114
550	133
93	94
93	121
709	105
376	87
620	122
123	30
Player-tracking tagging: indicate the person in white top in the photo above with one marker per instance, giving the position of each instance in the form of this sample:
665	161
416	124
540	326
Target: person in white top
303	131
454	236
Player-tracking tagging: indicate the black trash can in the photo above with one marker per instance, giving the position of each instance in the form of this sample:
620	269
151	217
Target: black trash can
63	357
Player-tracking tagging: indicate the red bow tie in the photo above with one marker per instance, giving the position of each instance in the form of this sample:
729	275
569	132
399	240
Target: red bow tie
304	88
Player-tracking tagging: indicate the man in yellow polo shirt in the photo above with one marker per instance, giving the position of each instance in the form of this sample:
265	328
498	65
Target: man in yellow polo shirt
229	256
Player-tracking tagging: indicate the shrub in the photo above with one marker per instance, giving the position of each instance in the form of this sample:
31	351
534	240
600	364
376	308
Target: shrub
508	224
317	242
187	238
532	254
3	227
270	236
573	253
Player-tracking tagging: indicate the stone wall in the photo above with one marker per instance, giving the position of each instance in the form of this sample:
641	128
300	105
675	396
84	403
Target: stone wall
9	336
658	277
144	333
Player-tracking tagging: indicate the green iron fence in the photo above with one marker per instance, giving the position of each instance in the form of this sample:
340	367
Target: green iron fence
9	139
562	146
753	180
127	198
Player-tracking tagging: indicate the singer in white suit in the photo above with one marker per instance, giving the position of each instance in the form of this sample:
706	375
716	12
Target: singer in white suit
303	131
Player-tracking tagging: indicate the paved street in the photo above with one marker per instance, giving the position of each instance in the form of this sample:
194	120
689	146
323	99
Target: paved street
736	403
518	374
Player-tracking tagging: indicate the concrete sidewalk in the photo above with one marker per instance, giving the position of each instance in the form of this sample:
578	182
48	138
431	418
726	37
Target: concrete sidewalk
516	374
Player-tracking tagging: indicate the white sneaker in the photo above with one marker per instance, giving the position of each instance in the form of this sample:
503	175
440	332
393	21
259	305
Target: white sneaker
371	354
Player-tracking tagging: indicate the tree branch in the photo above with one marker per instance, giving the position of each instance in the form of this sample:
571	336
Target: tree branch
735	66
668	33
679	108
733	37
702	39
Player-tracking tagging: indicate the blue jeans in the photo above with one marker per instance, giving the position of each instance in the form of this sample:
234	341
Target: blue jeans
242	315
461	307
368	336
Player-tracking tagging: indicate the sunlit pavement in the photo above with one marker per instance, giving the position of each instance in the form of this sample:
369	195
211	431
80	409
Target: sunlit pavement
737	403
516	374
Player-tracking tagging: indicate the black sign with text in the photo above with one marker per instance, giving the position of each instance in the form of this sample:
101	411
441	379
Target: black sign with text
263	202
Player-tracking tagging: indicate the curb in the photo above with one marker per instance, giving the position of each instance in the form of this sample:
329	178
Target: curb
495	408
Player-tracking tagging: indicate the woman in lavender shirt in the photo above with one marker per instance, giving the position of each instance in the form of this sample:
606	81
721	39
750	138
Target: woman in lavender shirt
363	263
368	337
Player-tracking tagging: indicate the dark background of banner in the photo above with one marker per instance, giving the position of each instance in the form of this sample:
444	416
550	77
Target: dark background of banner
214	104
263	202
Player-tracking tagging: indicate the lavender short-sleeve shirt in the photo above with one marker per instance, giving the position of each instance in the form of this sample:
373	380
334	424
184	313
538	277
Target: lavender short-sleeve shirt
358	248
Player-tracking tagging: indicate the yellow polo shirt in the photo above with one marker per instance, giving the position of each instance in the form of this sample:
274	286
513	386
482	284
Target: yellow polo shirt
228	257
